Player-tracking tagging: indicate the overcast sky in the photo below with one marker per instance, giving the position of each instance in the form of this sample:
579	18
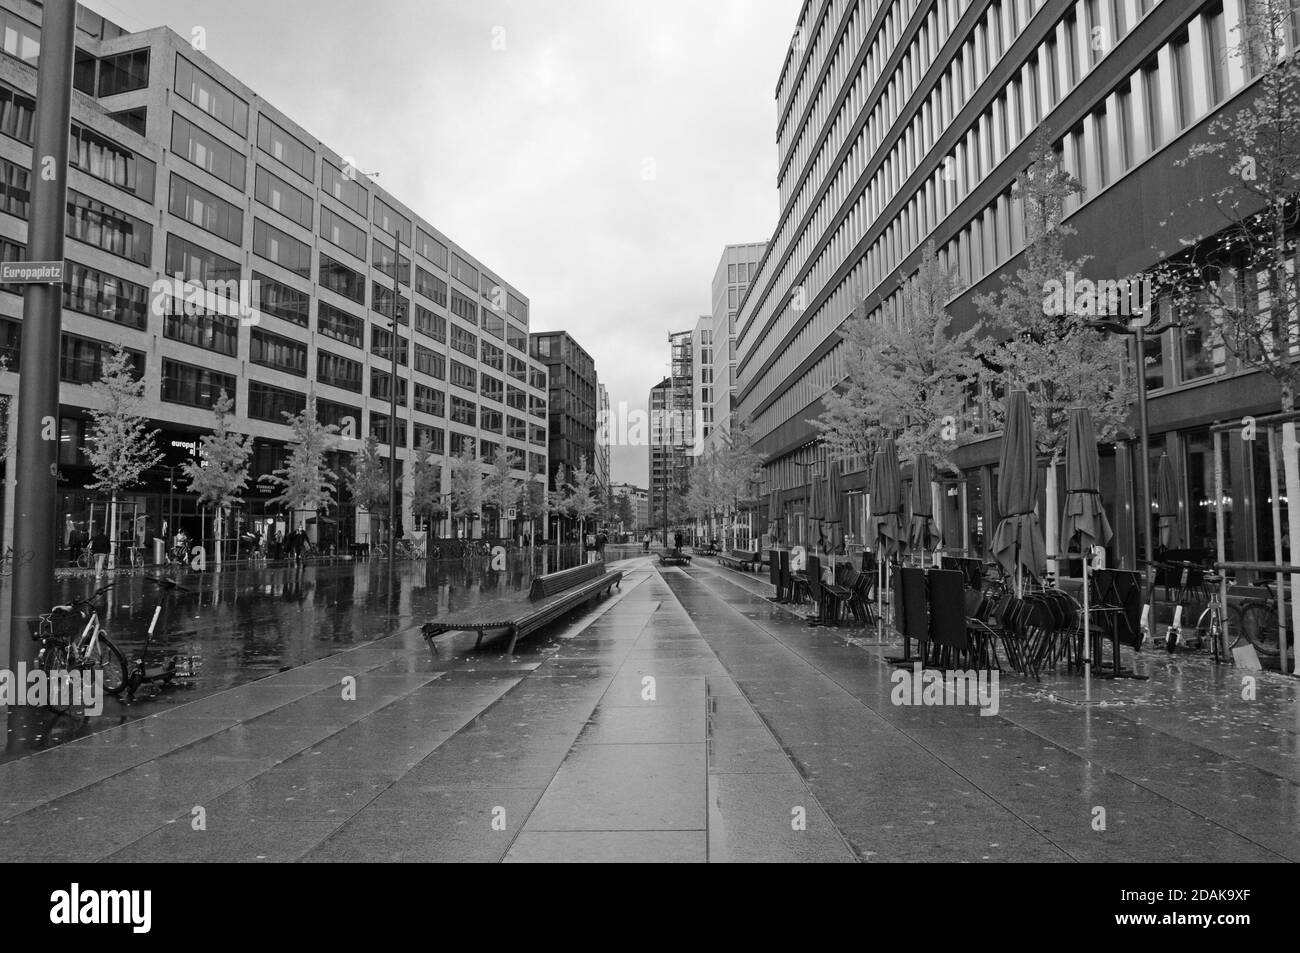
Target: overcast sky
535	156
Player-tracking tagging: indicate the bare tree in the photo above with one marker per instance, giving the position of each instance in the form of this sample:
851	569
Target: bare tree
220	476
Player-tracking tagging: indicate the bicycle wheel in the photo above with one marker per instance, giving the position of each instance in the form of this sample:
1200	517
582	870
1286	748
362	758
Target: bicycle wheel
109	658
1259	625
53	661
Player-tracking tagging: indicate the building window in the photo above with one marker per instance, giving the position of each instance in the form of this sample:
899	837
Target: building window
379	429
428	400
337	230
464	376
463	307
105	160
279	143
88	291
275	193
338	324
516	428
1216	52
383	301
209	153
433	288
431	248
517	339
379	389
199	328
22	39
431	439
1154	113
330	413
345	188
193	262
494	324
281	301
518	368
195	386
209	95
463	411
285	250
341	279
81	360
392	263
280	353
209	212
338	371
17	112
464	271
1180	57
387	218
493	357
492	388
94	223
430	362
516	399
434	325
464	341
381	341
491	420
274	403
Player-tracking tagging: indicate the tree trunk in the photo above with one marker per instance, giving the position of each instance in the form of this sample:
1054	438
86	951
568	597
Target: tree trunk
219	522
1291	467
114	545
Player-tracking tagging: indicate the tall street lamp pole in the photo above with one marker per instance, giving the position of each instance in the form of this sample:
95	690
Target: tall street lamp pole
392	433
35	460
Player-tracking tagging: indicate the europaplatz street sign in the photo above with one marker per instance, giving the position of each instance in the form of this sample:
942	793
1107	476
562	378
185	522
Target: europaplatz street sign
31	272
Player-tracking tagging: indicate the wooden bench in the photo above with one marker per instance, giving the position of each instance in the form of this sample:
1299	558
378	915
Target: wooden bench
549	598
741	559
674	558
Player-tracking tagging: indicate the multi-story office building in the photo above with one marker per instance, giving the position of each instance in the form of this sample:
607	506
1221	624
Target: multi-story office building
602	460
902	122
573	399
640	505
702	377
179	169
673	444
736	267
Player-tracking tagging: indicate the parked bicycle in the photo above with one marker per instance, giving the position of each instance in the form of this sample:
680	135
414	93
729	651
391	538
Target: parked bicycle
73	638
1259	622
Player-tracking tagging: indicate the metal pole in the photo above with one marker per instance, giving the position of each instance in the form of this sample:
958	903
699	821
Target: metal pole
392	440
1145	435
35	459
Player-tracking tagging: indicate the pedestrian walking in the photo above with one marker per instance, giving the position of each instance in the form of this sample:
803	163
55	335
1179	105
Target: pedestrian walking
677	541
601	540
645	541
100	547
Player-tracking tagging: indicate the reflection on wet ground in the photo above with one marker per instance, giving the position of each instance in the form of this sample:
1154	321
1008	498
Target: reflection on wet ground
245	623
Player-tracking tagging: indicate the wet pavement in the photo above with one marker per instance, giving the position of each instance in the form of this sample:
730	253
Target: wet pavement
685	718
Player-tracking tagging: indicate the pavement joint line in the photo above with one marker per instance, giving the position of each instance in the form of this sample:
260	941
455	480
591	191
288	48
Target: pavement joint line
1060	746
697	580
608	681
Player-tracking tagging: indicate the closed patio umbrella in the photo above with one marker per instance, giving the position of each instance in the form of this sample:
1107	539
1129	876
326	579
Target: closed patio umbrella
1084	517
773	515
1167	502
834	514
887	499
922	532
1018	541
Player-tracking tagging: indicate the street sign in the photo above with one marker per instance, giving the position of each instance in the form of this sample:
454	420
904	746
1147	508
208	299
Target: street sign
510	513
31	272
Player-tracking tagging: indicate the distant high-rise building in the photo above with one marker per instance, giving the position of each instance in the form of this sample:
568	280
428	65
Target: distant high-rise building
572	398
737	266
672	433
602	456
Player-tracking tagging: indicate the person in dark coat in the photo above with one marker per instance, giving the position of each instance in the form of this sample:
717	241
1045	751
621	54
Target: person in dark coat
100	547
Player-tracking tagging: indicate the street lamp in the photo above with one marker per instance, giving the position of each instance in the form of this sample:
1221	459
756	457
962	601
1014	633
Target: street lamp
1139	333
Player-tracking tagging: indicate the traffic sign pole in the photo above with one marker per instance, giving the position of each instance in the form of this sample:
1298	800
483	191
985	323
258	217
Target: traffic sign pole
34	462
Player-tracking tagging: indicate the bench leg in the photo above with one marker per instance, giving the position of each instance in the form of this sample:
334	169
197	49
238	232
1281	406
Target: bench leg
514	637
479	640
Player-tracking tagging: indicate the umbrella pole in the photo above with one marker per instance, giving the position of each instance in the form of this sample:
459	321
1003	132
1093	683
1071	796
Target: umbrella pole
1087	631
